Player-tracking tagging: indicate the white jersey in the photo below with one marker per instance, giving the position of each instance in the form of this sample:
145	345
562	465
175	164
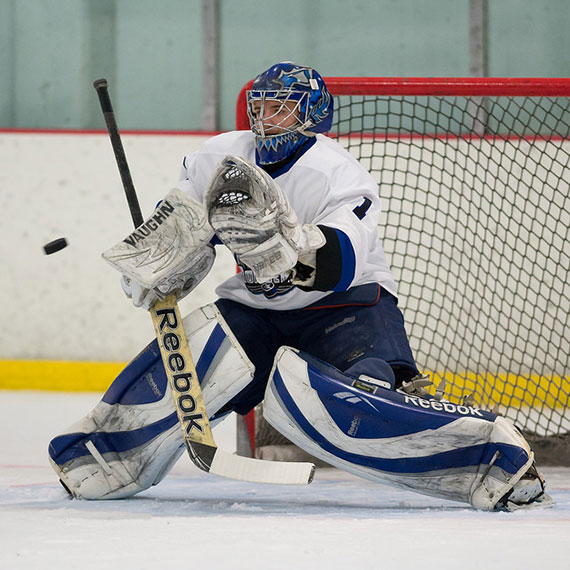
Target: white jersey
325	186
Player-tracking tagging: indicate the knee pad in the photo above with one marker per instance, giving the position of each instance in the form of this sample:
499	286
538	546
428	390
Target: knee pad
132	438
421	444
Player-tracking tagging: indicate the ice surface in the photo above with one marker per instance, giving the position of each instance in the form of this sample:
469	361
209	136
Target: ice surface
194	520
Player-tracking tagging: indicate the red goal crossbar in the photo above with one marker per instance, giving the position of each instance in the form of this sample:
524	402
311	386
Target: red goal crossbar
434	86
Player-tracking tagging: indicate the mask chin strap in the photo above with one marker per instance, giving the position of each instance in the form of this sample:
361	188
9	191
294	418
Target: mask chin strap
303	130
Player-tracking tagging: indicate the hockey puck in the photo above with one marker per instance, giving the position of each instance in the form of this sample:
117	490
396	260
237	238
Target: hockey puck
55	245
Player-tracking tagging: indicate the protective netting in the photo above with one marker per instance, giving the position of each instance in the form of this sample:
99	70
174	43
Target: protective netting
476	211
476	202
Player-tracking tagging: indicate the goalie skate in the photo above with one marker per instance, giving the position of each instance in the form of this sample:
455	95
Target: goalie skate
528	492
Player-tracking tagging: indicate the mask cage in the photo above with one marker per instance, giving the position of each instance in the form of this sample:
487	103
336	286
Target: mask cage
300	108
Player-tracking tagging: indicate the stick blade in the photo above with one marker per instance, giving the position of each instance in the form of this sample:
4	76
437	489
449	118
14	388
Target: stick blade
261	471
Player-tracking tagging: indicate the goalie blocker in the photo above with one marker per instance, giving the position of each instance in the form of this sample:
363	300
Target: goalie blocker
169	252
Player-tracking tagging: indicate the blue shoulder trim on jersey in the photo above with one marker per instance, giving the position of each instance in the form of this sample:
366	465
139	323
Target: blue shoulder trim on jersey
348	262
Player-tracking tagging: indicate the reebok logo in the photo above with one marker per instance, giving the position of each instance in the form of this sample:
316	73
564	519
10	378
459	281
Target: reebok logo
176	369
353	399
447	407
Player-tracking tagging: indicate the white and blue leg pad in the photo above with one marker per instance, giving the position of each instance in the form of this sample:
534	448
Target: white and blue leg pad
428	446
132	437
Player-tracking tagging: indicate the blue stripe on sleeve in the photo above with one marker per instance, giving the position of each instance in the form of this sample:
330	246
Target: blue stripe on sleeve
348	262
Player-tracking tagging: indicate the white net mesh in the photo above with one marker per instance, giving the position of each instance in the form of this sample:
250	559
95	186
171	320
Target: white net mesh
476	218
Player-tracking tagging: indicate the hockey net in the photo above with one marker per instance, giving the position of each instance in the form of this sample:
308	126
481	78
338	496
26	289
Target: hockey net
475	184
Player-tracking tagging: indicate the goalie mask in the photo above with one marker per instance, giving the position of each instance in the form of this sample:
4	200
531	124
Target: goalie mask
287	105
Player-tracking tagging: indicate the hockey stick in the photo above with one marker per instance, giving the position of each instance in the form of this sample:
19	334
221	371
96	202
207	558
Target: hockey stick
179	365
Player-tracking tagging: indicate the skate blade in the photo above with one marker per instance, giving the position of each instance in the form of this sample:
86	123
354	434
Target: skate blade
543	502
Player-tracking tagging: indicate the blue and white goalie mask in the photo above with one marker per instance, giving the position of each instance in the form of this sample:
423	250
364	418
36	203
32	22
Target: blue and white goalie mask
287	105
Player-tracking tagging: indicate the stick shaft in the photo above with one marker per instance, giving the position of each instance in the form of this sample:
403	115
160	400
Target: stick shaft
181	373
193	418
101	87
179	365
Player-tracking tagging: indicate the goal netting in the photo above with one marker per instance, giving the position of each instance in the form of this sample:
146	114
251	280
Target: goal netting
475	184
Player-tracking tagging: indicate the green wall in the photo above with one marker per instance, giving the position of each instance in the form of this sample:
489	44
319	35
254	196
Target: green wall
151	51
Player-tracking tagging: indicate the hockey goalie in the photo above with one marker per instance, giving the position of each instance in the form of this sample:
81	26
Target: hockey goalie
310	325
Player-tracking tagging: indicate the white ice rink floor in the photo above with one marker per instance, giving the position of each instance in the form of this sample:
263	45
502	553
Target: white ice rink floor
197	521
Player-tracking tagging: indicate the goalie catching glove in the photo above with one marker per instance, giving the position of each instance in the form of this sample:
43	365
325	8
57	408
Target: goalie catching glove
253	218
169	252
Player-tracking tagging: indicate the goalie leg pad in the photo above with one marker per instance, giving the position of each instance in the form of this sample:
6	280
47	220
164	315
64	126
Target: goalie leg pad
428	446
132	438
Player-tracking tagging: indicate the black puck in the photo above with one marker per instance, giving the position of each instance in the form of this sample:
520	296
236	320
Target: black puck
55	245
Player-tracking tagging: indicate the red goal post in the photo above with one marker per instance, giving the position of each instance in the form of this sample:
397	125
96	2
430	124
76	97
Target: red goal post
474	176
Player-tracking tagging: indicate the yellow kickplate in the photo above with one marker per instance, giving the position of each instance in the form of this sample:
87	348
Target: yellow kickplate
58	376
509	390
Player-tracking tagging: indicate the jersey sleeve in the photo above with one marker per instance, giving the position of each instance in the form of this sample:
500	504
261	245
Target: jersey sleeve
349	222
186	179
